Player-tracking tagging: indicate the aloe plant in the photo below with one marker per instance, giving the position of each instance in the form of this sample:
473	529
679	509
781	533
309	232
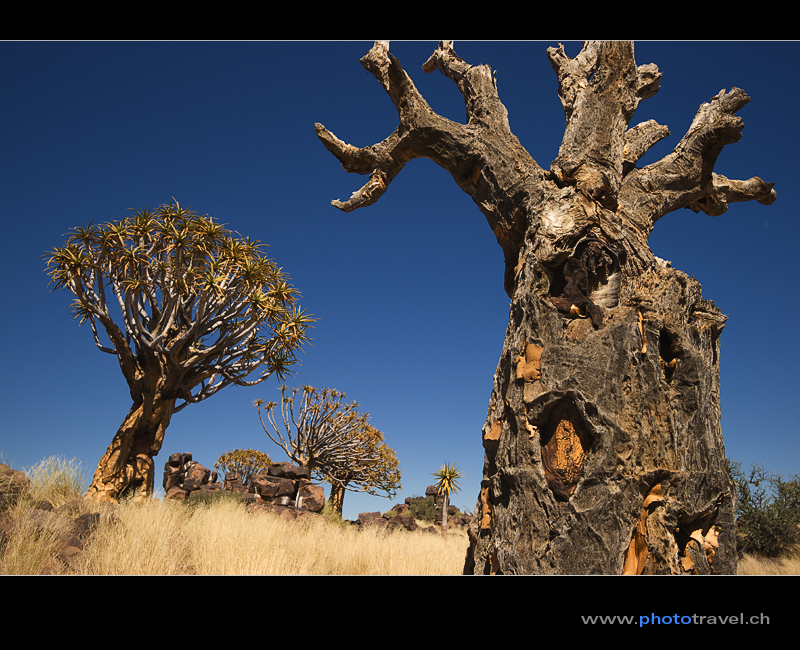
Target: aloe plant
447	482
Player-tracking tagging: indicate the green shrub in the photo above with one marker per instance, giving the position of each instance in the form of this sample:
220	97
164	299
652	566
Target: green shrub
422	508
332	515
767	511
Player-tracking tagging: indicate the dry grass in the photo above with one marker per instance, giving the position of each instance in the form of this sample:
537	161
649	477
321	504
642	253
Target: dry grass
789	565
34	539
222	537
227	539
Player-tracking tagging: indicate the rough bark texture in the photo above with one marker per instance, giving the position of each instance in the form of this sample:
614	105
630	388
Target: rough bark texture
127	467
337	497
603	448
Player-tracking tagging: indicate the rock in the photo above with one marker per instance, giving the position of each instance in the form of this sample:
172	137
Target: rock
46	520
176	494
12	484
283	484
195	476
233	483
399	517
86	523
311	497
272	487
368	517
289	471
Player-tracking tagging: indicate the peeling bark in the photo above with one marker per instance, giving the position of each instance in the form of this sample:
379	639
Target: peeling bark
603	448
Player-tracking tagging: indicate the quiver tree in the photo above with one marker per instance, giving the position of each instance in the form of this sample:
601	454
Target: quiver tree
245	462
447	483
199	309
318	430
603	449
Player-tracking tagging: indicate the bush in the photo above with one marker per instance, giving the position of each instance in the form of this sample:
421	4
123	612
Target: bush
767	511
332	515
422	508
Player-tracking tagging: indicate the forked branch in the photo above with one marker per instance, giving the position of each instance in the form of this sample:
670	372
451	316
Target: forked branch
685	178
422	133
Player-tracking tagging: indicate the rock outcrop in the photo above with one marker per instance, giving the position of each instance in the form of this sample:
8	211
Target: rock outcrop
406	515
282	486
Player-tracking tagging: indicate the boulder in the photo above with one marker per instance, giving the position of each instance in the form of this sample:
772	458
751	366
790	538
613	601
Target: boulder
310	496
195	476
368	517
12	484
272	487
233	483
289	471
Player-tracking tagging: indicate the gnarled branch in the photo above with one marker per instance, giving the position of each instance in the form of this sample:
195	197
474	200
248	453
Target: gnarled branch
685	178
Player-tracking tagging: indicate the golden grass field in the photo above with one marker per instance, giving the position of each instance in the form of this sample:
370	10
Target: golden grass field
225	538
222	538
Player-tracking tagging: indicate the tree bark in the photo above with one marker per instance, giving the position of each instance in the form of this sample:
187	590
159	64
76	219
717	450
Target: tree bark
445	504
603	448
337	497
127	468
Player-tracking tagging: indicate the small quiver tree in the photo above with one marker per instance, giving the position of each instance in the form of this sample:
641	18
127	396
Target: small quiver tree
245	462
200	308
376	471
447	482
318	430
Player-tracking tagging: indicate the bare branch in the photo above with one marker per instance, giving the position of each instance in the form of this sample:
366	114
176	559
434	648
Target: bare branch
724	190
599	90
685	177
477	84
639	138
382	161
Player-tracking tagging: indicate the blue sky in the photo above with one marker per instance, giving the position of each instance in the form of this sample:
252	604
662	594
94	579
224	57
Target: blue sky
408	292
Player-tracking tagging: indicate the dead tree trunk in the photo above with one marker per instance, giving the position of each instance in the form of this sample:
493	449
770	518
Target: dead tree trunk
603	449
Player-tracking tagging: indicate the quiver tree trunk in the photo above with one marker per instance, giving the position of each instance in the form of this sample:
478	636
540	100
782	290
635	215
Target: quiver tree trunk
127	468
603	448
337	497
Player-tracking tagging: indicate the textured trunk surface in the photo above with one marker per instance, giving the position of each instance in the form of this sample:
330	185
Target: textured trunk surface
337	497
445	504
603	448
127	468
